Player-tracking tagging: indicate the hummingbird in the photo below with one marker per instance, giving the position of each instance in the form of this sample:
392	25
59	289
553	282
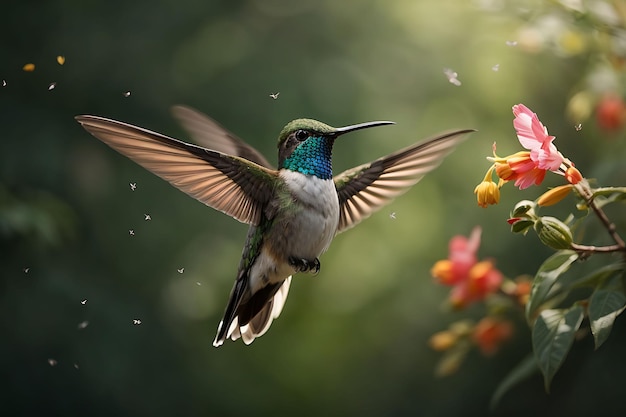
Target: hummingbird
293	212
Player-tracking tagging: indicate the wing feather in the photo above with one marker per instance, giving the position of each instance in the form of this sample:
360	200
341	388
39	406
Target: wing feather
230	184
210	134
367	188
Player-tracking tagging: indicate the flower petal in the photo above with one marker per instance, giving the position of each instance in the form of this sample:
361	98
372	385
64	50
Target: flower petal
531	133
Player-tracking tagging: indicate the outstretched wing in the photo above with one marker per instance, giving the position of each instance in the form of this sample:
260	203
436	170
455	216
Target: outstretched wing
208	133
365	189
230	184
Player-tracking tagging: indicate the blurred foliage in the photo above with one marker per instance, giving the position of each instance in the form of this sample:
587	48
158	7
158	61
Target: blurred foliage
354	339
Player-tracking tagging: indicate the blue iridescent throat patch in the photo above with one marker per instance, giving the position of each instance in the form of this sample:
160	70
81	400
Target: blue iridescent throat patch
312	157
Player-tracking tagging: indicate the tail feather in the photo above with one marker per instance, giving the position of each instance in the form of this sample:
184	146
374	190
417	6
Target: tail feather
252	318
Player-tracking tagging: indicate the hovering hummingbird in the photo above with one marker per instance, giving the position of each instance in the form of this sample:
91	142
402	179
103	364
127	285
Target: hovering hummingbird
293	212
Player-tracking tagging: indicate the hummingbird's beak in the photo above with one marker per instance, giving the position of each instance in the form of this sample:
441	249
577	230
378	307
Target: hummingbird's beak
341	130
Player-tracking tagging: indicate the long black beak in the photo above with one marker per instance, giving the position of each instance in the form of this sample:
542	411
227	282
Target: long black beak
341	130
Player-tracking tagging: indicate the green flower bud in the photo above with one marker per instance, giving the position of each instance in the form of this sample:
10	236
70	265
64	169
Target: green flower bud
553	233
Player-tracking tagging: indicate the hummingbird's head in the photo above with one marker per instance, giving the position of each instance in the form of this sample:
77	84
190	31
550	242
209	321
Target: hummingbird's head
305	145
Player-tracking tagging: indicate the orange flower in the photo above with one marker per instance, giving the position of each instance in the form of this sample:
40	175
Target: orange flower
471	280
483	279
461	258
490	333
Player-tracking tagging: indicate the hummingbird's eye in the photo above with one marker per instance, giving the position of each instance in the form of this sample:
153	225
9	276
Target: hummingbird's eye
302	134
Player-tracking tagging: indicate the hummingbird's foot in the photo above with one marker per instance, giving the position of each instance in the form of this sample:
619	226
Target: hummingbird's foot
305	265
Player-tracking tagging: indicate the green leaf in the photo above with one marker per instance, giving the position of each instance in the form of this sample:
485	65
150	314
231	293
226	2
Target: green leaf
608	191
606	303
553	335
544	284
607	195
522	226
522	371
597	277
524	208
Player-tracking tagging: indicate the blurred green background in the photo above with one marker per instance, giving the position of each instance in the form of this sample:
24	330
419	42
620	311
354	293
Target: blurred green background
350	341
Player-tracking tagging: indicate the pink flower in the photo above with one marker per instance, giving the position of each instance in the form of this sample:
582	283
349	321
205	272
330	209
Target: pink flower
533	135
471	280
524	170
461	258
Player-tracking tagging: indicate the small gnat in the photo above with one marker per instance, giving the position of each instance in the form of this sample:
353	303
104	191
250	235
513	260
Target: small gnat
181	270
511	43
136	322
578	127
495	68
274	95
131	232
83	302
452	76
52	86
52	362
147	217
82	325
133	186
392	215
126	94
26	270
4	83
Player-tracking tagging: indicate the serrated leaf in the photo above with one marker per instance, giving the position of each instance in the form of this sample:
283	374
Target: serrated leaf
522	371
552	336
606	303
546	278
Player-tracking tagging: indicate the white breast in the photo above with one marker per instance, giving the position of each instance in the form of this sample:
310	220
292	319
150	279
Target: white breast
316	223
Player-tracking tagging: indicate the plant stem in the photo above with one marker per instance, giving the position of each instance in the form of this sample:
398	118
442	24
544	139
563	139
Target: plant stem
584	191
596	249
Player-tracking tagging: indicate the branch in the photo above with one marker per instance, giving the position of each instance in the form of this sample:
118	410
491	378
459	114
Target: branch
583	190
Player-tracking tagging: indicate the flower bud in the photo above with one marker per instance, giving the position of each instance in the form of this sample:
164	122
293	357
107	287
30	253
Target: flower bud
554	195
573	175
487	192
443	340
553	233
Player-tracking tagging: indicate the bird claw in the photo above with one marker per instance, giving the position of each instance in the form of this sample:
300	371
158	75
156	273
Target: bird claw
304	265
